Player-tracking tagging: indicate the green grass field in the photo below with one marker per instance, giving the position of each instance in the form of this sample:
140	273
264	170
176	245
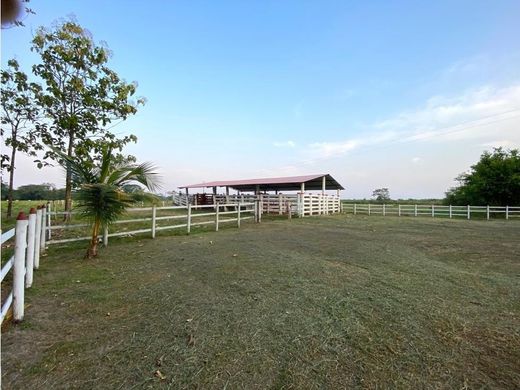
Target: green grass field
323	302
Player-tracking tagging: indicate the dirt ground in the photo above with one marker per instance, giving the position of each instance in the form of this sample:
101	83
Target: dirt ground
323	302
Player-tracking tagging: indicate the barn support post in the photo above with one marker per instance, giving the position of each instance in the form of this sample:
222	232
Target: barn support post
19	266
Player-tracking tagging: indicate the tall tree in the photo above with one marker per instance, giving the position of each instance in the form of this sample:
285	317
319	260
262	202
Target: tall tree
381	194
493	180
100	189
19	113
82	96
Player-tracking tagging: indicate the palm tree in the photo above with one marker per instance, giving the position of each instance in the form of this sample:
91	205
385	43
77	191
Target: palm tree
99	189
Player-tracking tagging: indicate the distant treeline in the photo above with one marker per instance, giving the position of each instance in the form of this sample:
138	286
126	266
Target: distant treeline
44	191
48	191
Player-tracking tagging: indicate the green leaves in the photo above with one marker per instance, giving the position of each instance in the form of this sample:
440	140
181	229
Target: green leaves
493	180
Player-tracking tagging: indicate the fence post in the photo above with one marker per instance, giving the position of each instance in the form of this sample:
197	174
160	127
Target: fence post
37	237
355	211
154	215
188	222
415	211
507	212
44	228
399	209
451	213
469	211
105	236
217	207
487	212
49	219
433	211
238	215
19	266
31	239
369	209
384	209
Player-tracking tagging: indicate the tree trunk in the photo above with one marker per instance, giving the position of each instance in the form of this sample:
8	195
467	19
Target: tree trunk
92	250
11	183
68	179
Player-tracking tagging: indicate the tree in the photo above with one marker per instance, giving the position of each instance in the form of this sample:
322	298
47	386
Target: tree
493	180
11	12
99	189
381	194
19	113
82	96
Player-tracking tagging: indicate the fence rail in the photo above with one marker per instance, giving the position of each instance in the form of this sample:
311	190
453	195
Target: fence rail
450	211
189	217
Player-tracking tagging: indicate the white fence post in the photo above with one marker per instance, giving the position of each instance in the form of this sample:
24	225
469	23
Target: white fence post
31	239
355	211
44	228
415	211
469	211
154	215
451	212
384	209
507	212
217	207
487	212
19	266
399	210
37	238
49	218
105	236
433	211
369	209
188	222
238	215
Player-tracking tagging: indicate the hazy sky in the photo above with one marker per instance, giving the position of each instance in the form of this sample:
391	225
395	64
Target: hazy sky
404	95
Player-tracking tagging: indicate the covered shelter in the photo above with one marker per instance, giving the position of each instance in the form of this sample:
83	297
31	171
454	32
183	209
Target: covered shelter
319	182
261	190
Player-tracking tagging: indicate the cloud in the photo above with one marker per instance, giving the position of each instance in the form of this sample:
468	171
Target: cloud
472	115
417	160
285	144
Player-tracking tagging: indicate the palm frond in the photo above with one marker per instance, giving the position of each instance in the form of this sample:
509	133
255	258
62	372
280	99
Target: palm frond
102	202
143	173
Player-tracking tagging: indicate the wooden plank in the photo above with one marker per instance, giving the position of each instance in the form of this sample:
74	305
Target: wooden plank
8	235
6	268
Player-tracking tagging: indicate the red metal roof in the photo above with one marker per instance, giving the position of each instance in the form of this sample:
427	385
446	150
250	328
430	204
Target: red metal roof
274	183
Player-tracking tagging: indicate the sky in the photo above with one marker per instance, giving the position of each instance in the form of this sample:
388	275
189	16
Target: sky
404	94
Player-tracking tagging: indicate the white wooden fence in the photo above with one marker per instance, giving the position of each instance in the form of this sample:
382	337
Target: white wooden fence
30	239
302	204
186	216
487	212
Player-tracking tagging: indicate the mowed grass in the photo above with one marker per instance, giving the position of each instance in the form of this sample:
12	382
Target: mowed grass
324	302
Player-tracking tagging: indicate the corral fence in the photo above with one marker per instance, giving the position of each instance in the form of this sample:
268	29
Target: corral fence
421	210
153	219
29	236
300	204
